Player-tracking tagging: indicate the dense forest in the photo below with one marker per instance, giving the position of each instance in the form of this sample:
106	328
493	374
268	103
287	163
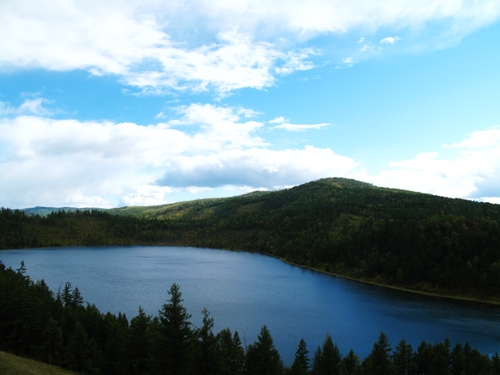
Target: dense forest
400	238
58	328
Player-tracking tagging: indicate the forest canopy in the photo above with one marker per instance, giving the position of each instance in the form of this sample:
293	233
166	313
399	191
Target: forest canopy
58	328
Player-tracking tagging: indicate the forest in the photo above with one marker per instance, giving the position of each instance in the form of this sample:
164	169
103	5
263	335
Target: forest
397	238
59	328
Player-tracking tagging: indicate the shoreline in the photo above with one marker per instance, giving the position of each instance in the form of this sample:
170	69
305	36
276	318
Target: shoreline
492	303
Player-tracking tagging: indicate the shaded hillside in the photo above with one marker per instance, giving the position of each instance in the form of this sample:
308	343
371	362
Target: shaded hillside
395	237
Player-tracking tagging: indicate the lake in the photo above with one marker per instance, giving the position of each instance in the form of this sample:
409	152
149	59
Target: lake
244	291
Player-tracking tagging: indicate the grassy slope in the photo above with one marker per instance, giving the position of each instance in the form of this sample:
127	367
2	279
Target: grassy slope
14	365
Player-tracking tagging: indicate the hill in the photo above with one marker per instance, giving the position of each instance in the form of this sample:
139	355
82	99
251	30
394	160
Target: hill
44	211
14	365
393	237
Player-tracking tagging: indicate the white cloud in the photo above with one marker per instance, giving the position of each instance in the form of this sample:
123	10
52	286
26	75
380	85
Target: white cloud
479	139
28	107
100	163
285	124
390	40
257	167
472	173
147	195
133	42
159	47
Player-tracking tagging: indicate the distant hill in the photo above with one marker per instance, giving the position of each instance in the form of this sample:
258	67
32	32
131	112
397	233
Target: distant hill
44	211
393	237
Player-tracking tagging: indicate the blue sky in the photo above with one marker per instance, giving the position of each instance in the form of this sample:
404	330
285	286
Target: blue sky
106	105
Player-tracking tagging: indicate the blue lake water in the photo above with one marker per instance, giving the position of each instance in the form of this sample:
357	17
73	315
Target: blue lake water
244	291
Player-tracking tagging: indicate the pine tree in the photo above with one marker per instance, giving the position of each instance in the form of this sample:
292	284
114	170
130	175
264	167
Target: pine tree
139	343
327	359
379	361
230	353
495	363
262	357
78	350
300	365
206	353
331	357
403	359
175	335
351	364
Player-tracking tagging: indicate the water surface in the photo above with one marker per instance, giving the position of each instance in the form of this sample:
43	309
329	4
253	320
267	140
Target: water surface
244	291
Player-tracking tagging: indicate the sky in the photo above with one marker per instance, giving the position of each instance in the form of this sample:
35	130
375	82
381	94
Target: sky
120	103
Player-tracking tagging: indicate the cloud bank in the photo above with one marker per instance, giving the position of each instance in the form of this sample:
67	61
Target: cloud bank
101	163
152	46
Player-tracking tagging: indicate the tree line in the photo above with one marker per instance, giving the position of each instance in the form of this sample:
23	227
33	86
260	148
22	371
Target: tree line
60	329
394	237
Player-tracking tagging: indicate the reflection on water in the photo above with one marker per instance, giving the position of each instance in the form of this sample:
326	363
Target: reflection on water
245	291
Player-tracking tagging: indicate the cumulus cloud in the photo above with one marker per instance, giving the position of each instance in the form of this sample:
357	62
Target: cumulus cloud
102	163
133	43
471	173
390	40
283	123
33	106
161	47
257	167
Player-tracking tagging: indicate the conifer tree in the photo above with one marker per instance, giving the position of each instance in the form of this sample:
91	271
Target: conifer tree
317	361
78	350
300	365
206	348
351	364
175	335
403	358
262	357
139	343
327	359
379	361
230	353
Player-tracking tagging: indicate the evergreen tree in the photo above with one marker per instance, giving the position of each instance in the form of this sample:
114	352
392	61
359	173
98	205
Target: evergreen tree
53	341
78	355
351	365
379	361
300	365
403	359
317	362
495	363
114	356
230	353
175	335
331	358
206	348
139	344
457	360
262	357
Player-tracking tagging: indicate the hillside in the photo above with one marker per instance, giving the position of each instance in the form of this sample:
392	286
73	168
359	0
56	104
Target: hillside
14	365
393	237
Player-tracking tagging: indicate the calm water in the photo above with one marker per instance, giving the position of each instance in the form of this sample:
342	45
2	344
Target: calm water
244	291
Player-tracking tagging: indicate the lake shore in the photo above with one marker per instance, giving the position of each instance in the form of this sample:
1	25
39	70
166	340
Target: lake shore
395	287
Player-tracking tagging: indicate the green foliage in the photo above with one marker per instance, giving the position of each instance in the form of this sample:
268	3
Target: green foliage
394	237
262	357
300	365
36	323
175	335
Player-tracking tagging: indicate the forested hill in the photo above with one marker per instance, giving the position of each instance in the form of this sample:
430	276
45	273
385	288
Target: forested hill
394	237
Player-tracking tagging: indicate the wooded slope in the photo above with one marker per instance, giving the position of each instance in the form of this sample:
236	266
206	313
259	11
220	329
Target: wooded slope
394	237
